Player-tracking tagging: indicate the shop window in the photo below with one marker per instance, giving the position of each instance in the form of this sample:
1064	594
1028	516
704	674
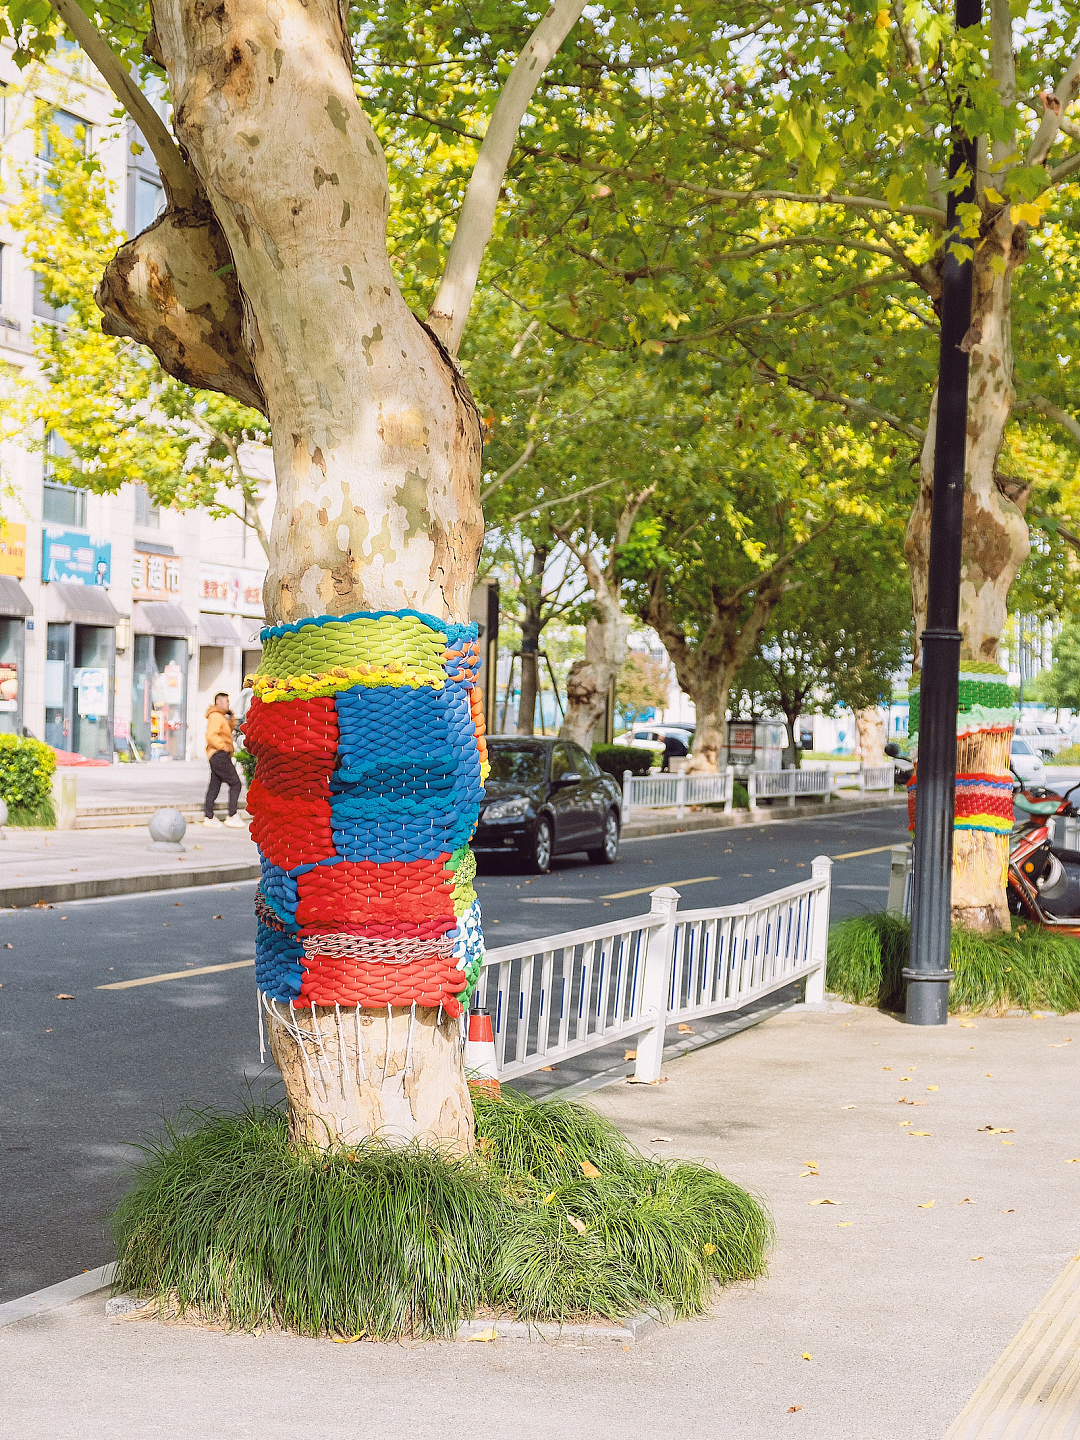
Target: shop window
159	697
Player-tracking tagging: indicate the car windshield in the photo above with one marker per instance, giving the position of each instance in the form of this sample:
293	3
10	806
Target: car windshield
517	764
1021	747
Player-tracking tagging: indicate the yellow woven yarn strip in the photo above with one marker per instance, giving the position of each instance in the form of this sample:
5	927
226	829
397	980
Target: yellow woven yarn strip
304	687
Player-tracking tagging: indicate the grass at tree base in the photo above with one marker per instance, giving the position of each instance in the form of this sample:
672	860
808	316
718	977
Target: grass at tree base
556	1217
1030	968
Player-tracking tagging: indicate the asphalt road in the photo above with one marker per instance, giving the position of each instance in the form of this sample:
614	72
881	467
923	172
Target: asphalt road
88	1073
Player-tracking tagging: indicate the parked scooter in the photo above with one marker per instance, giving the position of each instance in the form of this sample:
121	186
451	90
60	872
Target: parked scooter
1044	878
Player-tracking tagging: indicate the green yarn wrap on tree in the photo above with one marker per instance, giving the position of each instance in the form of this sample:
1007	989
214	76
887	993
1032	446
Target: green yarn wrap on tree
975	688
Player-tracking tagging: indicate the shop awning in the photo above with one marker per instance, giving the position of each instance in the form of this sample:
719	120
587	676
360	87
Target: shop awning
216	630
13	598
158	617
82	604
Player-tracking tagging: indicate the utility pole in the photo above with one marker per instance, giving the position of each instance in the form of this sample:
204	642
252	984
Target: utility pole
928	975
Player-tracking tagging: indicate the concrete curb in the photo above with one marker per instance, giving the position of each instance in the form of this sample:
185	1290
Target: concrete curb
54	1296
13	897
774	815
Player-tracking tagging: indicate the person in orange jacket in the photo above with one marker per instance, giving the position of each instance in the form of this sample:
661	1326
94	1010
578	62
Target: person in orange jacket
219	751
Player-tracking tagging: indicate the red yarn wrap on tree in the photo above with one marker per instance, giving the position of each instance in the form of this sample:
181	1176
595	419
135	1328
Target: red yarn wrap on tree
360	893
340	980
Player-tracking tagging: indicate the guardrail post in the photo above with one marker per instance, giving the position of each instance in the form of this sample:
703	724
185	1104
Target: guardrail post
898	873
821	869
655	983
729	788
751	789
791	787
680	796
627	793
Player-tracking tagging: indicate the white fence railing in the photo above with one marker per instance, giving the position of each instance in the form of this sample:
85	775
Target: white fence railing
653	792
775	784
1065	830
563	995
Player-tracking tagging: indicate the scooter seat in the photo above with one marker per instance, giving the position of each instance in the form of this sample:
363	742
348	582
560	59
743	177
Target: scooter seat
1035	807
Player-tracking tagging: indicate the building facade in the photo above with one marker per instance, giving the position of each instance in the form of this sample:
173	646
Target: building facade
118	620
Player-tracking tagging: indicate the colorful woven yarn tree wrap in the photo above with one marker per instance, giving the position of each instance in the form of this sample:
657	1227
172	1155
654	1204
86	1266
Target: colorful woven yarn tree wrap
368	737
984	726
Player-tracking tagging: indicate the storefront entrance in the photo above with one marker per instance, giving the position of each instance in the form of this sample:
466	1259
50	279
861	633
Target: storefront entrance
159	698
80	679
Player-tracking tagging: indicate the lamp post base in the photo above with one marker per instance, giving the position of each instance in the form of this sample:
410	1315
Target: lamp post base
927	1001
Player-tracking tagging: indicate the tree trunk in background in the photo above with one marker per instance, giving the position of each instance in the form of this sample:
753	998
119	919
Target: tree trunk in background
995	545
589	682
532	624
376	439
870	732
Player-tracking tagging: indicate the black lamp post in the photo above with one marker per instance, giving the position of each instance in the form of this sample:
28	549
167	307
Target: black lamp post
928	975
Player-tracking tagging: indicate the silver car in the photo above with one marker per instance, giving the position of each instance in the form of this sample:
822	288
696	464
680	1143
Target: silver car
1026	763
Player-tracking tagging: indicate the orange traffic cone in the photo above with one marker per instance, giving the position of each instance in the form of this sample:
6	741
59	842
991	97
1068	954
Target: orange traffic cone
481	1066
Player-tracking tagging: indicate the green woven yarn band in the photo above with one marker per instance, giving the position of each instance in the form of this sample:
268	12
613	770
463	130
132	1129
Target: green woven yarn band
992	694
403	639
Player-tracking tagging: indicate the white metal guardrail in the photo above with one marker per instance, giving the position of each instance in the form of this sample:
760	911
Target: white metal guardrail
566	994
1065	830
775	784
876	777
653	792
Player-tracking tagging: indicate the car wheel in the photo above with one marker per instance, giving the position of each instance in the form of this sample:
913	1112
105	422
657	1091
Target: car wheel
608	852
540	850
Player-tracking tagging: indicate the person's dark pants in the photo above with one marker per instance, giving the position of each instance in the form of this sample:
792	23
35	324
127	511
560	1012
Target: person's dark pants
222	772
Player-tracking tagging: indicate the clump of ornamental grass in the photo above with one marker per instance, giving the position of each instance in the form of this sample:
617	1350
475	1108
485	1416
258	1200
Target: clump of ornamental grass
555	1217
1027	968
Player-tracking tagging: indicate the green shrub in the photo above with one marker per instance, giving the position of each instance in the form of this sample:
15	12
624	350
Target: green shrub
246	761
617	758
556	1216
1069	756
27	767
1028	968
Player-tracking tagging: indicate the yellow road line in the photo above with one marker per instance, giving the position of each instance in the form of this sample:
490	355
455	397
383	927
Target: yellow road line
854	854
175	975
647	889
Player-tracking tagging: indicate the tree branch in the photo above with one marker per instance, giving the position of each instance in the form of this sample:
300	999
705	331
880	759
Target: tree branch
847	402
910	40
511	470
730	598
1052	412
560	500
1053	113
181	181
477	217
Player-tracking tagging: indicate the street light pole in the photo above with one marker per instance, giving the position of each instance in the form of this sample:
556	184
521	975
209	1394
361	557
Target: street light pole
928	975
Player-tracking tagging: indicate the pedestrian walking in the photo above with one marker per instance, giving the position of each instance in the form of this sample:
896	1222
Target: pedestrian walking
219	751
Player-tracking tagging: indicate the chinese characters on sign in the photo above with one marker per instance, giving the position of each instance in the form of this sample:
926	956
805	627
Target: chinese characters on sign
70	555
12	549
228	590
155	577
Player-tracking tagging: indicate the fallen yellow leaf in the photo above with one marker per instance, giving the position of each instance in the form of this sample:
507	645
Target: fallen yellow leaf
886	1067
931	1087
710	1249
967	1201
1008	1142
629	1055
548	1198
792	1409
994	1130
843	1224
484	1335
686	1030
1062	1045
968	1025
65	997
905	1122
976	1257
927	1205
577	1224
589	1170
923	1132
345	1339
807	1355
849	1107
1073	1162
823	1202
811	1163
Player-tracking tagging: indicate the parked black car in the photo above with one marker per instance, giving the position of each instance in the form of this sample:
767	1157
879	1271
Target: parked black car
545	798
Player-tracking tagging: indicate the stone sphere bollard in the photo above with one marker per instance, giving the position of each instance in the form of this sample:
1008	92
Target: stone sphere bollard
167	827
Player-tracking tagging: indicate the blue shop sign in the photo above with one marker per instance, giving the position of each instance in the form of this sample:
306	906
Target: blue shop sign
70	555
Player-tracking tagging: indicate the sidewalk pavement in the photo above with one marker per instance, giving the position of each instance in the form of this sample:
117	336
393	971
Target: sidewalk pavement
49	866
881	1312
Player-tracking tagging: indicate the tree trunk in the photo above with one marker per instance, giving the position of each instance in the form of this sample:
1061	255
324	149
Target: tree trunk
995	545
870	733
532	624
376	445
589	683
